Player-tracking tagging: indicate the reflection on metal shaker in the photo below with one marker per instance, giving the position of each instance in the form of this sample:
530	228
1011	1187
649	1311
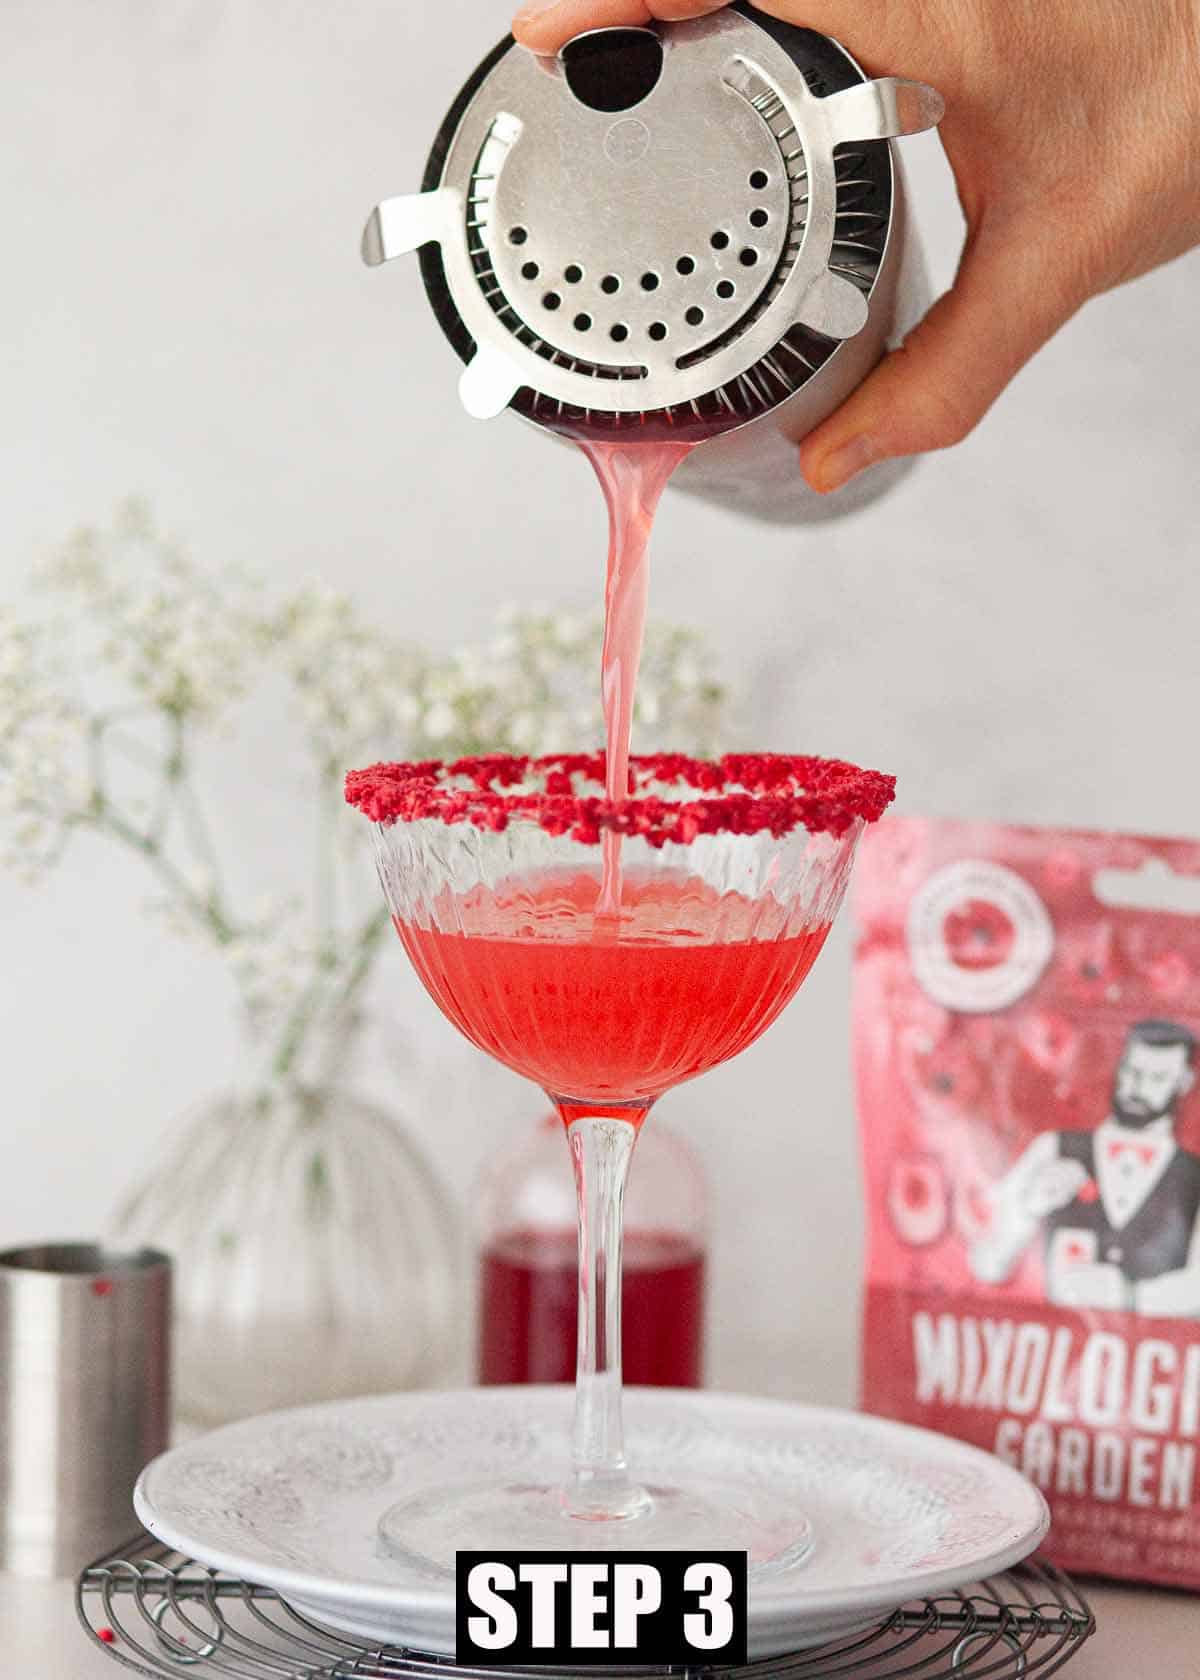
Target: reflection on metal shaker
84	1398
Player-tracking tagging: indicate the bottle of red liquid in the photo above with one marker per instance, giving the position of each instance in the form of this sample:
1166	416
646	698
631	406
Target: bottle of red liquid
527	1265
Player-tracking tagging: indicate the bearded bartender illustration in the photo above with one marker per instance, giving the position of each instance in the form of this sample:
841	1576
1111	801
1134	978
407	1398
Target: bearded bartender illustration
1118	1207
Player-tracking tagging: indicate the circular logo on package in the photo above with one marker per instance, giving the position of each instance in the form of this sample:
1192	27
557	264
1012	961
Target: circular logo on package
978	937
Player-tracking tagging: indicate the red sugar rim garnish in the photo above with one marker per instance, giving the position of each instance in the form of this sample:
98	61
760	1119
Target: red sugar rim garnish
771	793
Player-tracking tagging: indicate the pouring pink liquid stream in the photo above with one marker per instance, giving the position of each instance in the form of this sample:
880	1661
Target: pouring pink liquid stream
633	477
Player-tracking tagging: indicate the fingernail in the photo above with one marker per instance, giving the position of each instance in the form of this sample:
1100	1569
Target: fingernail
535	8
843	463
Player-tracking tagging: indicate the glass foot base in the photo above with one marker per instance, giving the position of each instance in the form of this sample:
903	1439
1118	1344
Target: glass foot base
428	1529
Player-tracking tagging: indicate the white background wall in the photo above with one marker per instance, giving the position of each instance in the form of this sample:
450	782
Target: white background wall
1015	633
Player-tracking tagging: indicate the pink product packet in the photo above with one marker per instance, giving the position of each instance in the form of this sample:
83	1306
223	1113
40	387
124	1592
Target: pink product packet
1026	1018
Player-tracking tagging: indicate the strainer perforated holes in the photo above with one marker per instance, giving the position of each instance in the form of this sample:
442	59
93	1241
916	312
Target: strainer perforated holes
688	285
728	213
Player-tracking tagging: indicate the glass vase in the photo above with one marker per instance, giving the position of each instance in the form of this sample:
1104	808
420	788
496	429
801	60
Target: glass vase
317	1256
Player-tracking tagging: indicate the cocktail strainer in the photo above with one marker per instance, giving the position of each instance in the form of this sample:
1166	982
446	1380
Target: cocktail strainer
693	231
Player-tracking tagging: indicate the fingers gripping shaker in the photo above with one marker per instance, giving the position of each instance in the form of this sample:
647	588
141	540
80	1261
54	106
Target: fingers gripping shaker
695	231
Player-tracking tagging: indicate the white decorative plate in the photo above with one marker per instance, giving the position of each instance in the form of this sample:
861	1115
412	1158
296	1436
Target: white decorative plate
292	1500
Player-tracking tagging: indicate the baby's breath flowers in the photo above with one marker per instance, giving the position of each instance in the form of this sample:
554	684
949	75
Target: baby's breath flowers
534	688
162	626
44	781
356	687
104	698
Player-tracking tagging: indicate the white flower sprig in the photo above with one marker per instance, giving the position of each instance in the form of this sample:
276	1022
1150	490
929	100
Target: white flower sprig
44	781
355	686
534	688
164	628
101	705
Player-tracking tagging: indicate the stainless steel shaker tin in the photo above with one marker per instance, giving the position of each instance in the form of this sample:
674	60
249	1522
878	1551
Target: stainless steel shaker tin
695	231
84	1398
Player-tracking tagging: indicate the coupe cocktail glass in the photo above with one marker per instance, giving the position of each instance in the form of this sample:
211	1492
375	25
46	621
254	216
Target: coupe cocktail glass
730	874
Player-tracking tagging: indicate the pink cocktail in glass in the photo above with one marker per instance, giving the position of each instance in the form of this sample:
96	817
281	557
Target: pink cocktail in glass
592	1015
730	874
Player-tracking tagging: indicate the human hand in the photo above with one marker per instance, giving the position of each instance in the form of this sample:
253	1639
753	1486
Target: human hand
1074	135
1052	1187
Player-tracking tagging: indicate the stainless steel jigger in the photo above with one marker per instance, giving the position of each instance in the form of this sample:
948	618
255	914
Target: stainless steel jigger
695	230
84	1399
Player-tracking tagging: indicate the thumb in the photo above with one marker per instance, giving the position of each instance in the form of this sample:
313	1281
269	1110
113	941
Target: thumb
546	25
1009	298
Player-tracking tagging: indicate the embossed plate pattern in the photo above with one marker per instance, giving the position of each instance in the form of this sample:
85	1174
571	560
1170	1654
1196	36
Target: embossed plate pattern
291	1500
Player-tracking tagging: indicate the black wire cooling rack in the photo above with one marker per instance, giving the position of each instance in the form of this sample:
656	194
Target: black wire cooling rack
161	1614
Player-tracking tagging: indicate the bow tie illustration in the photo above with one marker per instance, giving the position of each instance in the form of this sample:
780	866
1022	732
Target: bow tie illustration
1143	1152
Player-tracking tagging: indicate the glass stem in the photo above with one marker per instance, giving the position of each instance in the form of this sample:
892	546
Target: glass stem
600	1488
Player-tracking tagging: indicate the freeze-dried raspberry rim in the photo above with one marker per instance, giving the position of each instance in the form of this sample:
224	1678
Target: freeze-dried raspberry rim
742	793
